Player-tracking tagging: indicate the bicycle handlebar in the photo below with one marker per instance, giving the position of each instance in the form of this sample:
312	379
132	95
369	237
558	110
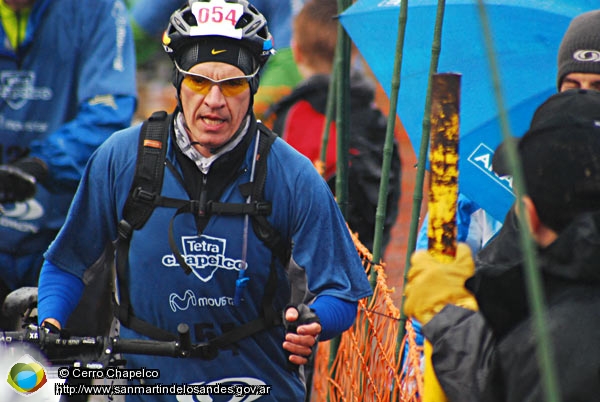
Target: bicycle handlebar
106	345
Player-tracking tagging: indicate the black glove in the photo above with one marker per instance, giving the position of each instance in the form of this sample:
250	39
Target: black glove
18	180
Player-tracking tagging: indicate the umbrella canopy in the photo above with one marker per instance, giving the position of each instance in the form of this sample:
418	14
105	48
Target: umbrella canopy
526	35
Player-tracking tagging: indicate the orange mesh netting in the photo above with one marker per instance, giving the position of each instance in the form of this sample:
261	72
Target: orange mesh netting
365	363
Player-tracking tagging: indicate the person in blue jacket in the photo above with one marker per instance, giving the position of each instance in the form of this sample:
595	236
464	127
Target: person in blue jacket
67	77
212	154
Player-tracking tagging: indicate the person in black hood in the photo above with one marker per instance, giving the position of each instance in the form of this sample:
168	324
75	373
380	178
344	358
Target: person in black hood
300	119
479	321
578	68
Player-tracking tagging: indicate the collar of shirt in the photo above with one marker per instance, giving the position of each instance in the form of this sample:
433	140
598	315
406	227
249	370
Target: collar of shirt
202	162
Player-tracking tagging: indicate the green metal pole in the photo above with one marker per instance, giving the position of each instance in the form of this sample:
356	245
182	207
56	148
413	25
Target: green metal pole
343	111
341	80
388	148
533	280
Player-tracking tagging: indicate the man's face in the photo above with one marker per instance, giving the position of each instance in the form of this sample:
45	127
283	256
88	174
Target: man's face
213	118
580	81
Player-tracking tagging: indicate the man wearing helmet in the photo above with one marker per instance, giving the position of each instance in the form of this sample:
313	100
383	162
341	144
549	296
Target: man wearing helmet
216	157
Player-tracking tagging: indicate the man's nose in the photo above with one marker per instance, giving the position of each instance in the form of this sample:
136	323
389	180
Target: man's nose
214	96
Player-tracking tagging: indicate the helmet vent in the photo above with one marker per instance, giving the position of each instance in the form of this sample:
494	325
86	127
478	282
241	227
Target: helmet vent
244	20
263	33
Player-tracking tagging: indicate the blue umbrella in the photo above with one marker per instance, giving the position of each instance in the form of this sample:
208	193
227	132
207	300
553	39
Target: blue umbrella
525	34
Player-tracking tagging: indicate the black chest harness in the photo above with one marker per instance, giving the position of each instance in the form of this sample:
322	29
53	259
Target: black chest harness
145	195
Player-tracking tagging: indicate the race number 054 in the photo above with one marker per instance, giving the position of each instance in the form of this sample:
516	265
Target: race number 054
216	14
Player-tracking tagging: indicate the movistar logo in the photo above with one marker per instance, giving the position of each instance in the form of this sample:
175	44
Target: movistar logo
215	52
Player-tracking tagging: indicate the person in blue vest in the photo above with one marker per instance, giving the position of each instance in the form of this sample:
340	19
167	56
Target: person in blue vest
211	268
67	77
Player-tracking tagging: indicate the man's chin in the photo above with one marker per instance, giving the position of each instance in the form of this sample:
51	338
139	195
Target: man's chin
208	148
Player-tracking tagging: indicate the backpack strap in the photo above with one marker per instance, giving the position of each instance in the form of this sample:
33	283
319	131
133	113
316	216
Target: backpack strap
147	183
149	171
263	229
280	248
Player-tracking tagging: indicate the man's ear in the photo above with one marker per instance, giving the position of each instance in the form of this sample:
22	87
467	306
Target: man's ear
531	215
541	233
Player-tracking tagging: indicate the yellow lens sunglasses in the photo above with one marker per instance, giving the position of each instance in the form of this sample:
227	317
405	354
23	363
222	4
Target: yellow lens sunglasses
202	84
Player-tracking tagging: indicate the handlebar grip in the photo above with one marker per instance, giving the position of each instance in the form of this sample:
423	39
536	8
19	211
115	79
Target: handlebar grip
147	347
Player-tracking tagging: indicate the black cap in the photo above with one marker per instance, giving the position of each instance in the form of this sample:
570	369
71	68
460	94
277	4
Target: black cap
560	157
213	48
568	109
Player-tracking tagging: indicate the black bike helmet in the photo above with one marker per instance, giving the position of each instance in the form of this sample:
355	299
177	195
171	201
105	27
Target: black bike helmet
229	31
